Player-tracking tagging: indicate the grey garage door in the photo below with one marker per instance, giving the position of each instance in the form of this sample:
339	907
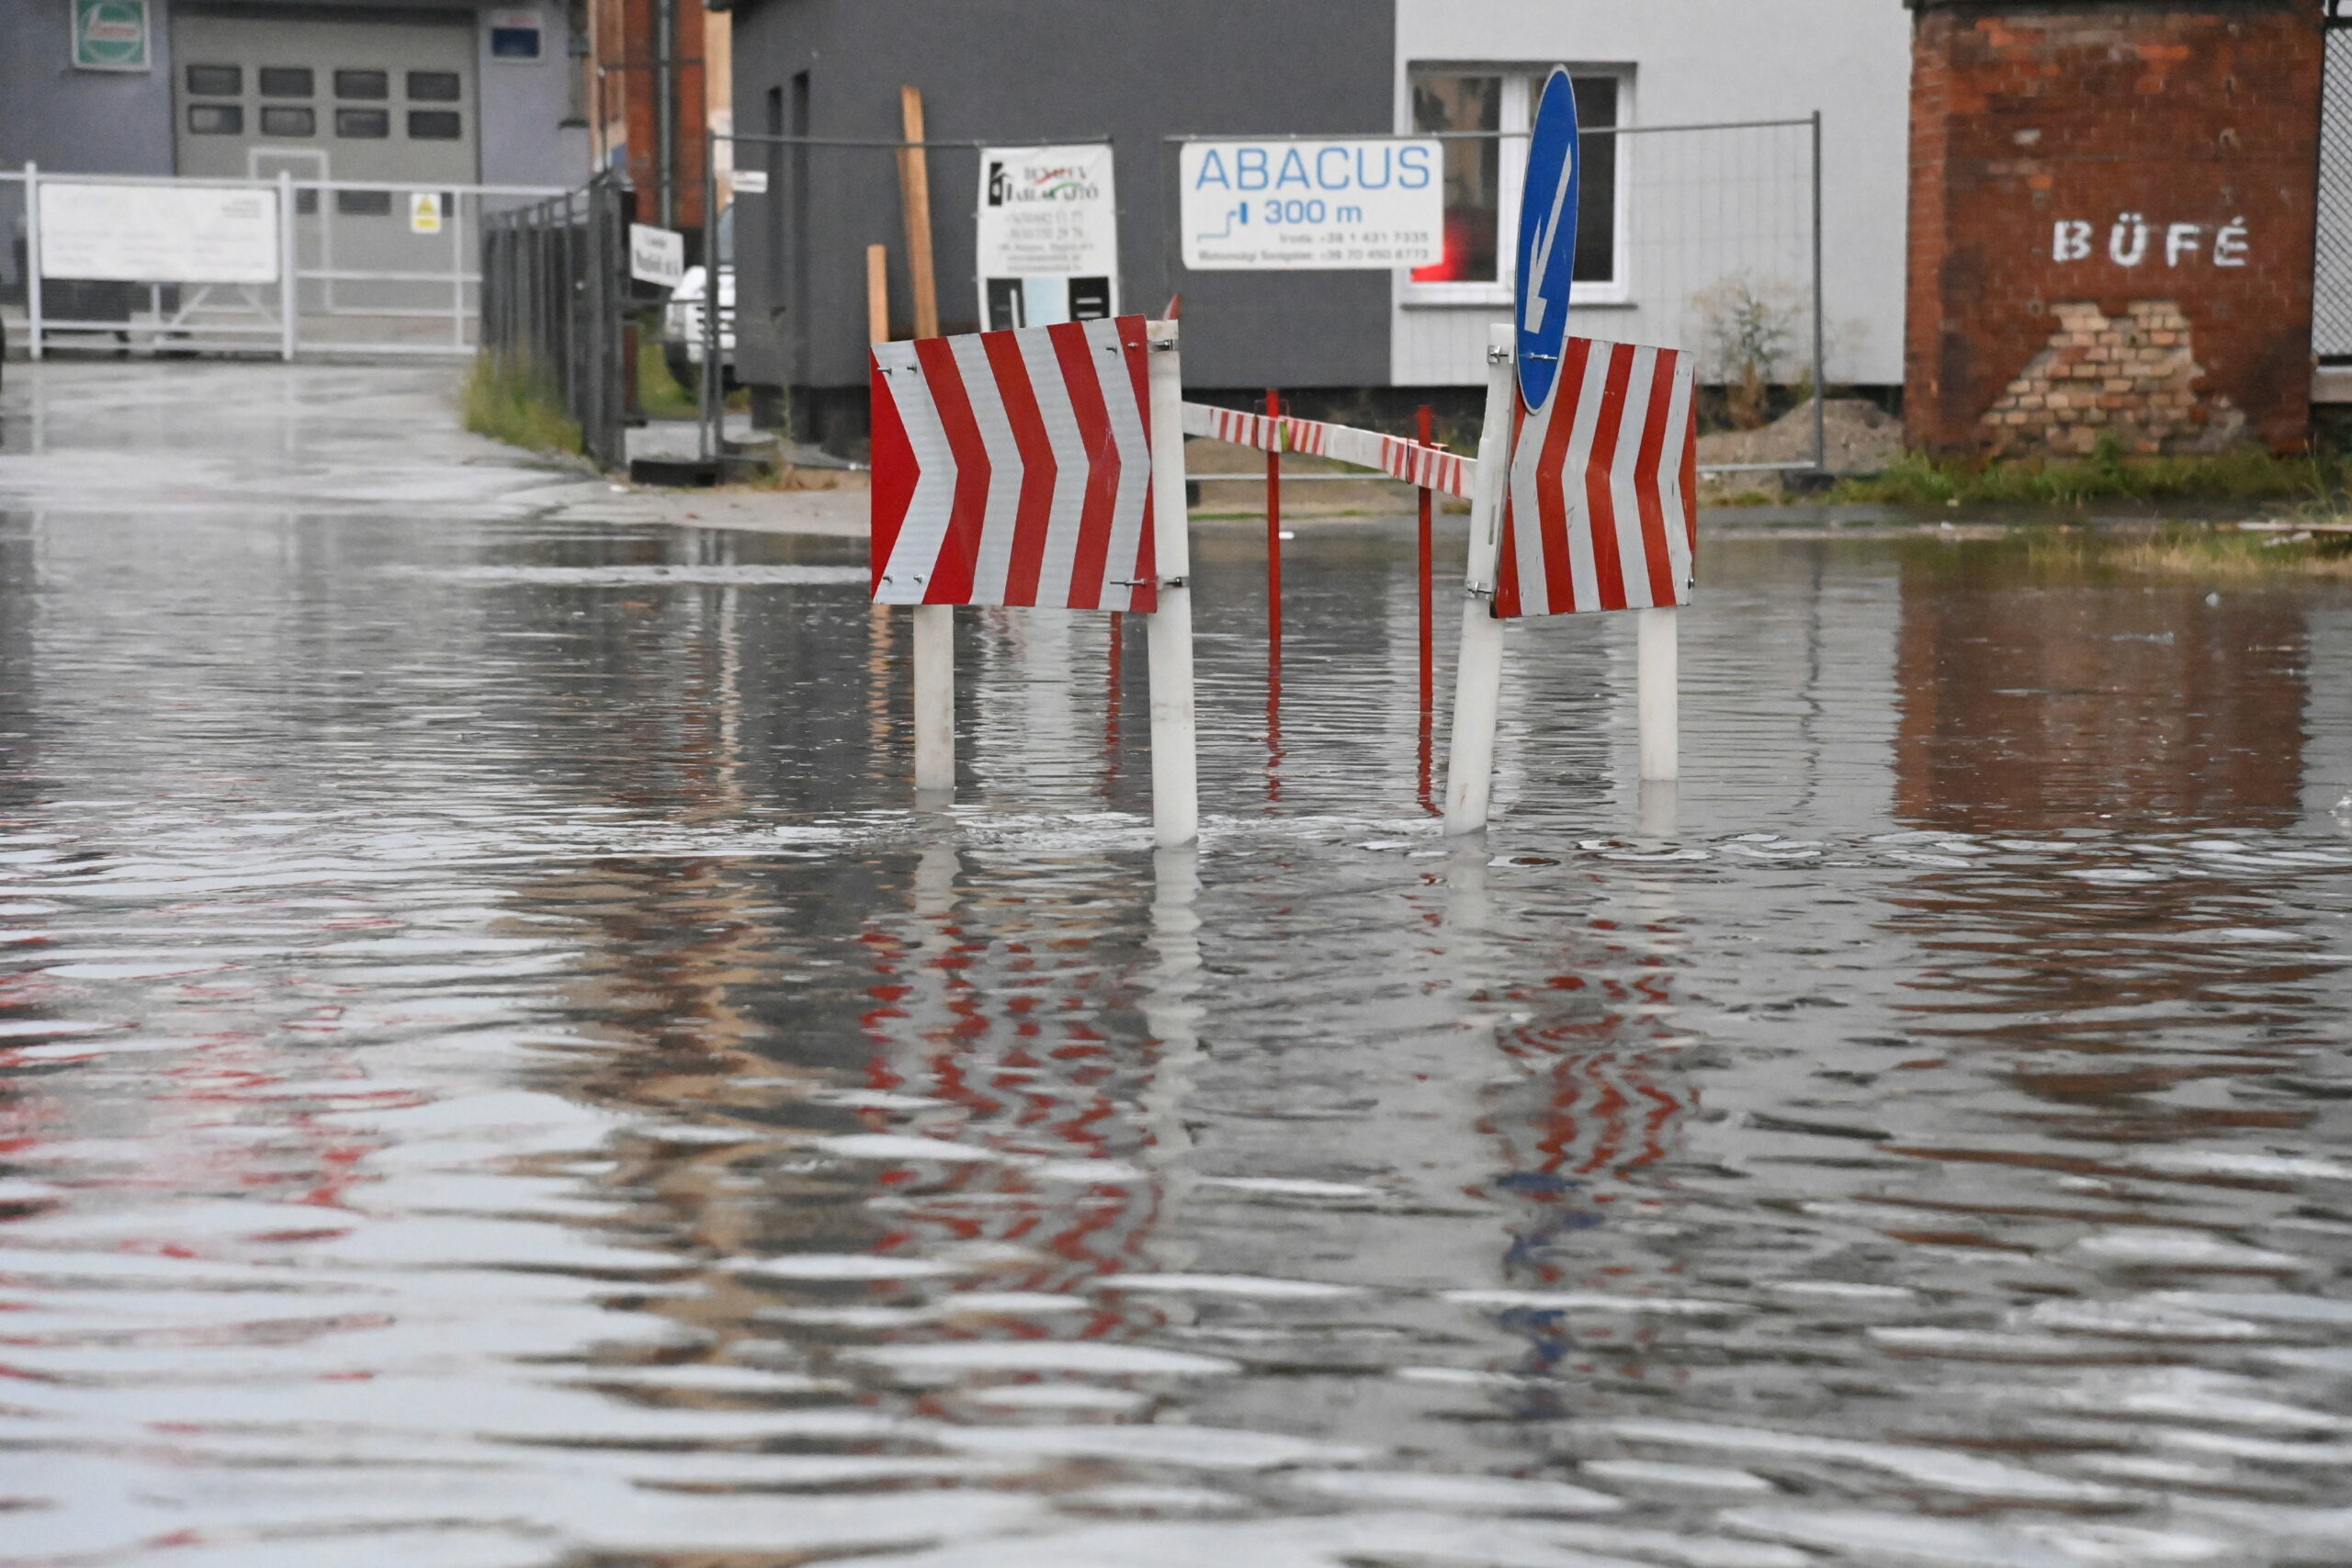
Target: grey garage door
386	96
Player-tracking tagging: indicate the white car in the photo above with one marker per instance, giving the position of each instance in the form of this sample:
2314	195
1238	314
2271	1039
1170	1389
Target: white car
682	323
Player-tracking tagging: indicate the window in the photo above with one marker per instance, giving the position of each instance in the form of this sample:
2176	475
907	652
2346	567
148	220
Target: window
514	42
364	203
362	125
216	81
215	119
288	122
433	125
363	83
1482	174
285	82
433	86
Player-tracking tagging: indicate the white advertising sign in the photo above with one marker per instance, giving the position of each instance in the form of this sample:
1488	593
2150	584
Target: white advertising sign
751	182
1047	212
656	255
1048	235
158	233
1256	206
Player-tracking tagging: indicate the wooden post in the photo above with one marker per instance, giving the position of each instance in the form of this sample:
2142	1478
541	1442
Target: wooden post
914	194
1655	680
1479	671
877	294
1175	773
935	652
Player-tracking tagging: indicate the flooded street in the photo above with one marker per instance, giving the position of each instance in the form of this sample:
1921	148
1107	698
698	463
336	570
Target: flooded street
493	1073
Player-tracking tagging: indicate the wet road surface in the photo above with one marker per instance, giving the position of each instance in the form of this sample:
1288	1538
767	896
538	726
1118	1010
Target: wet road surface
491	1073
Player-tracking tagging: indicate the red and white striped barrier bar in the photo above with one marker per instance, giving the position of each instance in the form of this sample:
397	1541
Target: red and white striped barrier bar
1014	467
1430	467
1235	426
1392	454
1601	512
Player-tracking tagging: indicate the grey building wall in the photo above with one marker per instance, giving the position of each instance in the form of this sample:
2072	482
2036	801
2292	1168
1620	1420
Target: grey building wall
92	122
97	122
533	115
1019	72
108	122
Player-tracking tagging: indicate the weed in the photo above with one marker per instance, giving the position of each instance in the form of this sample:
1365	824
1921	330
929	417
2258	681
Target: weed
1746	332
659	393
2217	554
514	404
2248	473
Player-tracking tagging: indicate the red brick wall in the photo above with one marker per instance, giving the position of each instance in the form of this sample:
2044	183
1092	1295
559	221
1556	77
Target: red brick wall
2134	162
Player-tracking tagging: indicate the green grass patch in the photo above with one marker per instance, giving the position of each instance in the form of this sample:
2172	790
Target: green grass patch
659	393
2244	474
509	403
2214	553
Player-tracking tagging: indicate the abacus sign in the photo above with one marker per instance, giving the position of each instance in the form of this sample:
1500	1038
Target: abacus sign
1277	204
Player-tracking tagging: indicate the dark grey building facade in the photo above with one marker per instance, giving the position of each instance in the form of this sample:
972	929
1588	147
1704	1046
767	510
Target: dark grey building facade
1015	73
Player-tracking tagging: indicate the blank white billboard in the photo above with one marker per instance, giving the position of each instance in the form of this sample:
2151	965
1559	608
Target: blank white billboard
158	233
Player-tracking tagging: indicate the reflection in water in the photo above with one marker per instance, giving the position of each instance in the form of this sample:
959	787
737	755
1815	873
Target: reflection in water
491	1074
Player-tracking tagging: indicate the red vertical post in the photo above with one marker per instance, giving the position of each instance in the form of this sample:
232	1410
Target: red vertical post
1428	565
1274	530
1428	632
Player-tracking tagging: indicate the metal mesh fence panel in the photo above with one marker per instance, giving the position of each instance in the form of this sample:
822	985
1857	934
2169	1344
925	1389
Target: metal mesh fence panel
554	290
2332	280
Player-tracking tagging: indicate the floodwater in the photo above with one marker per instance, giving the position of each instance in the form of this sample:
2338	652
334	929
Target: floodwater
493	1073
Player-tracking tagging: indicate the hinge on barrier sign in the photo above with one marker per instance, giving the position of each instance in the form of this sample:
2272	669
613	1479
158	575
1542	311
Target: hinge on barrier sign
1476	592
1496	354
1160	344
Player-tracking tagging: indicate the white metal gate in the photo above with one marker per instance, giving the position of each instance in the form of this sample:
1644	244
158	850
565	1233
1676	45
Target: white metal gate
156	284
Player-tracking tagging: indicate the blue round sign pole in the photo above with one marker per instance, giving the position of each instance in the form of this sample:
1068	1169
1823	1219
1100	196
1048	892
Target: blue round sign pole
1524	357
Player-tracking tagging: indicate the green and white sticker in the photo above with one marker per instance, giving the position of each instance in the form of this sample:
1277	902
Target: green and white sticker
110	35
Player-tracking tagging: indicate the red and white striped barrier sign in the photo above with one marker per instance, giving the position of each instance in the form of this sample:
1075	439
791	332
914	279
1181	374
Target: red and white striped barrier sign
1014	467
1602	511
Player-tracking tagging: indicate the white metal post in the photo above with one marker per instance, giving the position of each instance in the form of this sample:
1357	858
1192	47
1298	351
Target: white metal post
1175	773
285	292
934	699
1656	698
456	263
32	257
1479	671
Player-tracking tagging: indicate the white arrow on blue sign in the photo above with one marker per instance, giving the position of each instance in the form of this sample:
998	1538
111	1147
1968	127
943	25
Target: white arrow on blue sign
1547	238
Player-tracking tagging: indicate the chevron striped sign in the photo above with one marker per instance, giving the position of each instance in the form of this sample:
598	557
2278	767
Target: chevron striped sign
1601	512
1014	467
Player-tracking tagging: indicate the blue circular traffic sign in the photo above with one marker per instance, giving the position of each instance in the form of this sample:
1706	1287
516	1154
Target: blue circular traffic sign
1547	238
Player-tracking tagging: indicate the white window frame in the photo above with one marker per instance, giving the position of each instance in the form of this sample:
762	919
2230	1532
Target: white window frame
1522	81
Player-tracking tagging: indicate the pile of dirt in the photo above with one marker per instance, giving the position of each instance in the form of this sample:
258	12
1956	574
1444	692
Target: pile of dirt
1861	439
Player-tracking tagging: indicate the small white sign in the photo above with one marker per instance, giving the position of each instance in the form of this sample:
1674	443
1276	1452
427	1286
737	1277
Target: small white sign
158	233
423	212
656	255
1256	206
751	182
1048	235
1047	212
